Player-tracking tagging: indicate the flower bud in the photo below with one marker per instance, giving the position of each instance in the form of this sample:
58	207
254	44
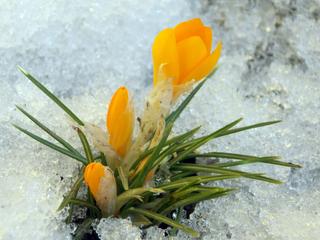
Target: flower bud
102	185
120	121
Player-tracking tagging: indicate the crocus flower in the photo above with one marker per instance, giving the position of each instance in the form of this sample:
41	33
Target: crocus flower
120	121
102	185
184	52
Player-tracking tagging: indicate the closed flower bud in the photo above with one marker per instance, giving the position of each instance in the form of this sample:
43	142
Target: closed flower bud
120	121
102	185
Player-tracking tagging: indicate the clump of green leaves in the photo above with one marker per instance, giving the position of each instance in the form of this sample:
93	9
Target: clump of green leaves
179	184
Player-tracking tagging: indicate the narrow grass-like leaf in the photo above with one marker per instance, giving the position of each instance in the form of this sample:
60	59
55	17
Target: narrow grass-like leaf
90	200
194	199
72	193
230	131
202	141
52	145
224	155
258	125
84	203
201	179
51	96
266	160
103	159
124	197
160	218
218	170
183	137
70	213
246	159
140	220
85	145
50	132
123	178
173	232
187	186
188	190
180	175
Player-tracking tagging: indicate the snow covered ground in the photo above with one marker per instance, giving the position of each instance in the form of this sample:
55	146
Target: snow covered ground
84	50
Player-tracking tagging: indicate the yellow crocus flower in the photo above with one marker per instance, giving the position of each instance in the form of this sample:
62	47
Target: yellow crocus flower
120	121
102	185
184	52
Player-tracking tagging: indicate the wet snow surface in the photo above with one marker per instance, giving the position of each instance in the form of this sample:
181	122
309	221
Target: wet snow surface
84	50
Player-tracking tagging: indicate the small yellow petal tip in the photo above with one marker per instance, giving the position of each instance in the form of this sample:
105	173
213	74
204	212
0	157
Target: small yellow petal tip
92	175
120	121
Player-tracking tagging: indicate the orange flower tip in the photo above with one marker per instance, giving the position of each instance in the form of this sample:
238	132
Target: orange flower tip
92	175
120	121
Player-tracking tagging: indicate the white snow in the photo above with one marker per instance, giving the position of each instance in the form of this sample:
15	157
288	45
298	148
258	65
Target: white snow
84	50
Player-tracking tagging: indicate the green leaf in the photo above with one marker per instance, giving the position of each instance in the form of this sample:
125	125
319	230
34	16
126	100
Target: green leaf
123	178
186	191
266	160
90	200
52	145
168	221
126	196
173	232
183	137
212	169
180	175
202	141
225	155
72	193
85	145
258	125
246	159
103	159
194	199
51	96
84	203
140	220
51	133
201	179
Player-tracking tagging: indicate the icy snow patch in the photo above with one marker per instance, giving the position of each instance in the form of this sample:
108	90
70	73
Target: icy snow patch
84	51
111	228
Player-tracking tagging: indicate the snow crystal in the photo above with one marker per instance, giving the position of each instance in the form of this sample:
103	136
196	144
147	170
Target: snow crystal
83	51
112	228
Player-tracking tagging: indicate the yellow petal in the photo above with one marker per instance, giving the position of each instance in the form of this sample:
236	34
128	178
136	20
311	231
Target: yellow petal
188	28
102	185
164	51
191	52
194	27
205	67
207	37
92	175
120	121
119	101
